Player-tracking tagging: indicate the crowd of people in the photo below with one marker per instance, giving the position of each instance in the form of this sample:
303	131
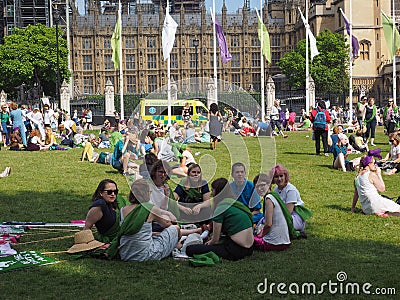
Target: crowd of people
232	219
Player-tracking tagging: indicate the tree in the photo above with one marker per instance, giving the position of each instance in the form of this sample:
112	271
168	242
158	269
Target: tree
329	69
28	56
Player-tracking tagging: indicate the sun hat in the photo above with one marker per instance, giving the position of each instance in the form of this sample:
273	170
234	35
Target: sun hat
84	241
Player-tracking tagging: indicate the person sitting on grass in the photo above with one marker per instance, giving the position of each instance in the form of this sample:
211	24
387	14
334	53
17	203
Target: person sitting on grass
367	185
272	231
340	153
34	141
186	160
103	211
291	197
50	140
202	136
359	143
88	152
135	240
305	125
264	128
392	158
121	156
244	192
193	196
16	140
104	138
160	192
231	219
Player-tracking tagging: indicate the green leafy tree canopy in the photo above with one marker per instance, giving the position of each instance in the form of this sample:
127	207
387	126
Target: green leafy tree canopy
29	56
329	69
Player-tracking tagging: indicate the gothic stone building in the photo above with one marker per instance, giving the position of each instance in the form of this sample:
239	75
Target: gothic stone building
145	70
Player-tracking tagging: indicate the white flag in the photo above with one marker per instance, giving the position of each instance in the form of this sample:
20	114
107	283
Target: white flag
313	41
168	33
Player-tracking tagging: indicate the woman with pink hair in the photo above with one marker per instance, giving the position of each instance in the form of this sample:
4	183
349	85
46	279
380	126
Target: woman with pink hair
291	197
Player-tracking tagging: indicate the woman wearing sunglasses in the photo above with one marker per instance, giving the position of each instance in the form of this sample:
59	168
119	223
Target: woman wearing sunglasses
290	195
102	213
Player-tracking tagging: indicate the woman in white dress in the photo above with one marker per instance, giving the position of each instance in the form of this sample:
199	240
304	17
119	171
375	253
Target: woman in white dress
367	185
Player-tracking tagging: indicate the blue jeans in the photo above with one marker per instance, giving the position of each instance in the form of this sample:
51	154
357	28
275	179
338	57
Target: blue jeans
5	132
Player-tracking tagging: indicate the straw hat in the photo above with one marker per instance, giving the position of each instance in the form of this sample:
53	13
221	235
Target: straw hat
84	241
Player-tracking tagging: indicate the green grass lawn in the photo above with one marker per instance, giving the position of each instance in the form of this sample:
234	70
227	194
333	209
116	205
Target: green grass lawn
54	186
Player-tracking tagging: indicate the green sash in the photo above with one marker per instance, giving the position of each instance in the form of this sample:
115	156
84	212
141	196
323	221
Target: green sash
133	222
237	204
373	115
112	232
288	217
303	212
193	193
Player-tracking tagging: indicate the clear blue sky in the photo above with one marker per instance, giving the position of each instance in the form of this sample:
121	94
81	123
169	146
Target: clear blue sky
231	5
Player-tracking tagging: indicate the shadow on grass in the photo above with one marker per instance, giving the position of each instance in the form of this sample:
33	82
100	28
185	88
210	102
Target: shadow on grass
300	153
318	262
338	207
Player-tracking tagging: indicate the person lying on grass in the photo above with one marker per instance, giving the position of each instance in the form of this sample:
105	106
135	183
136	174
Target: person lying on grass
367	185
231	219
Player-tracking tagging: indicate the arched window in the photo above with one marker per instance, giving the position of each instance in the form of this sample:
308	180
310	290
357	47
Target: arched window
365	50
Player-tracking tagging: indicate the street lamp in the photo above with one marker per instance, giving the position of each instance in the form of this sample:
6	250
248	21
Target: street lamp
196	45
56	18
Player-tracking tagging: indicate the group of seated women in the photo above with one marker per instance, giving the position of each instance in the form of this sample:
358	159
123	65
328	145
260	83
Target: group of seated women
146	227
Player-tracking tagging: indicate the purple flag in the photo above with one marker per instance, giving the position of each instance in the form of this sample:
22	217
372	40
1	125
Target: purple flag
354	42
223	46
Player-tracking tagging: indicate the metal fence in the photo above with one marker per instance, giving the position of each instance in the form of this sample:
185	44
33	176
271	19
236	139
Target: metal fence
250	102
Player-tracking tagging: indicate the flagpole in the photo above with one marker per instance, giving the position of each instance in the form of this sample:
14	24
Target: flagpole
168	78
307	66
215	55
262	67
394	56
351	65
121	73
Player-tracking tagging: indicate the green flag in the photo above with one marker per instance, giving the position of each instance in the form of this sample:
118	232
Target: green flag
116	43
264	39
393	44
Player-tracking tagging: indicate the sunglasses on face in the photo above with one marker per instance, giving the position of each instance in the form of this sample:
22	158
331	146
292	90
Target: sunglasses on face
110	192
391	141
279	176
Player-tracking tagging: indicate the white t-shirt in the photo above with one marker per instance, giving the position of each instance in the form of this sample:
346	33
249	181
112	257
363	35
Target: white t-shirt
274	113
290	194
394	152
157	196
279	232
189	157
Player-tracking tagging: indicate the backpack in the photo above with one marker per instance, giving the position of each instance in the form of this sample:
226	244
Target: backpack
320	120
